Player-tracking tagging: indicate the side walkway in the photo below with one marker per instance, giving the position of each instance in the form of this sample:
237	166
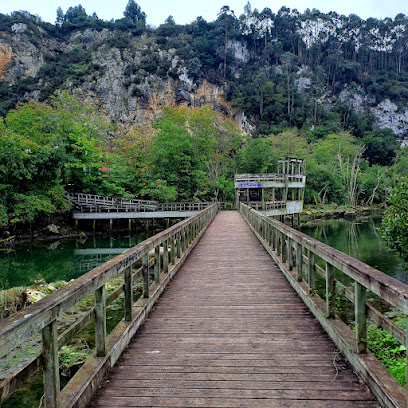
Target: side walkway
231	332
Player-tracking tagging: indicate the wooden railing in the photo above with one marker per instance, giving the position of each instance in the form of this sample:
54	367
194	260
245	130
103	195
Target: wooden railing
193	206
170	248
267	205
97	203
269	177
296	255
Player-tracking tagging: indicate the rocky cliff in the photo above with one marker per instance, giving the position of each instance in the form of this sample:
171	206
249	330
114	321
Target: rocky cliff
133	73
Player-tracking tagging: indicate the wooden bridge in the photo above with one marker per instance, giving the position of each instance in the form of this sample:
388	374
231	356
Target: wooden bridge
96	207
240	325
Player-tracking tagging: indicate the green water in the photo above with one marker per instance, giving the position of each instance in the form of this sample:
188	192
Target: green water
63	260
70	259
360	239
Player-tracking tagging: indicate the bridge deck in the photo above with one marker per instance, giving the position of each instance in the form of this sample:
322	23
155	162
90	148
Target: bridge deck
231	332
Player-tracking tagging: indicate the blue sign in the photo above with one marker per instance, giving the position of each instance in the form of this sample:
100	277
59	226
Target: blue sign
253	184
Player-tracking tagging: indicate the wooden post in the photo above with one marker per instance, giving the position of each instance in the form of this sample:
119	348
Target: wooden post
311	272
330	288
157	264
178	245
267	234
360	297
299	262
130	225
274	239
166	256
183	240
172	249
145	274
128	294
290	253
51	366
100	322
110	224
284	248
278	243
94	226
76	225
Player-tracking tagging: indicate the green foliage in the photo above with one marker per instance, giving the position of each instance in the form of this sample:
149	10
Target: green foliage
381	147
134	13
159	190
255	156
193	152
72	356
391	354
394	227
46	147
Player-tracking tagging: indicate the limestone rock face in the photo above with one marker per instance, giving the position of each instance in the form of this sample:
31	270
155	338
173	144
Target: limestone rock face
132	77
19	58
387	115
19	28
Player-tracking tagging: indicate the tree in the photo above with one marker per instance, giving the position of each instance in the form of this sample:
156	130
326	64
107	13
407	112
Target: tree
394	228
255	156
382	147
289	65
75	14
60	17
134	13
170	21
227	20
47	147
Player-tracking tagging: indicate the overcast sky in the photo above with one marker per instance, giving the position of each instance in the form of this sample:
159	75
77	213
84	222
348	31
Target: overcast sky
185	11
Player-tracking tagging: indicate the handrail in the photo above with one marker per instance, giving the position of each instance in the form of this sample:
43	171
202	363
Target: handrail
267	205
89	199
96	203
42	316
287	246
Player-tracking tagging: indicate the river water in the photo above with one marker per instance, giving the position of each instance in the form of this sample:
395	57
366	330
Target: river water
359	238
70	259
61	260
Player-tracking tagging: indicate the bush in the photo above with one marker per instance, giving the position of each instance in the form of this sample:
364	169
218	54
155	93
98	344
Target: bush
394	227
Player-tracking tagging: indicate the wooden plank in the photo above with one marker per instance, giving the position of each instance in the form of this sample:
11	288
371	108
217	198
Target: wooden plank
153	402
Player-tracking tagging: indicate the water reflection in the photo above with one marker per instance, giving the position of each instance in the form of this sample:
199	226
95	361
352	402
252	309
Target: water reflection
360	239
60	260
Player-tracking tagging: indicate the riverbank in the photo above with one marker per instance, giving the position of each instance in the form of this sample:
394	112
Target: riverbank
62	232
312	212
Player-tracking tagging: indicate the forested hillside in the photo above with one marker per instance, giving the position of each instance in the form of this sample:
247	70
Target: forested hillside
318	72
235	93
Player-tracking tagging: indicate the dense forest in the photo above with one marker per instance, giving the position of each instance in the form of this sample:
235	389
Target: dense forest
173	112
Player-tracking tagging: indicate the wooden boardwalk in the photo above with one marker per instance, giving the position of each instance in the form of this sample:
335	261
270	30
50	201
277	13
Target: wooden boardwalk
231	332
